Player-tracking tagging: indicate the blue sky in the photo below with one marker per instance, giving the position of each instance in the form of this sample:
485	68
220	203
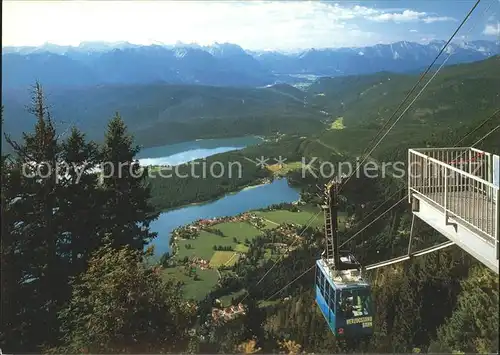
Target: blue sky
254	25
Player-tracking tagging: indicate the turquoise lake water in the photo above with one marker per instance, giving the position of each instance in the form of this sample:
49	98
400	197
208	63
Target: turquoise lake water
175	154
251	198
229	205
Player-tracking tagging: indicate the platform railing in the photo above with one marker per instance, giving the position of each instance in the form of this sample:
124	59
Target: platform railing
470	160
464	195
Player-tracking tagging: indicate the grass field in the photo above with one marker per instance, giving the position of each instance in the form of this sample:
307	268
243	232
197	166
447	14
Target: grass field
241	248
238	230
338	123
224	258
226	300
264	304
284	216
270	224
302	217
203	245
283	169
193	289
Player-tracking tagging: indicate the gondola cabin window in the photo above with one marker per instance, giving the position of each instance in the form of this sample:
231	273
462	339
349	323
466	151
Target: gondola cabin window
356	303
344	300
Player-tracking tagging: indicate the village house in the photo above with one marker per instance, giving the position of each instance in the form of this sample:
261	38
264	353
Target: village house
227	313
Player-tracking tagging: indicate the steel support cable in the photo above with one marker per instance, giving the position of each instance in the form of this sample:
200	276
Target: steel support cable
455	145
298	277
371	213
486	135
305	272
390	208
397	120
375	210
494	113
404	100
434	75
402	258
478	128
311	220
474	130
481	139
375	220
431	248
414	87
291	282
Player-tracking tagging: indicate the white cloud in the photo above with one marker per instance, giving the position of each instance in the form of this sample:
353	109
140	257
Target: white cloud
414	31
405	16
432	19
492	29
408	16
251	24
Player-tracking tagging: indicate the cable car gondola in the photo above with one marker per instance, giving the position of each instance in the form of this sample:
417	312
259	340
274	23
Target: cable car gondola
342	295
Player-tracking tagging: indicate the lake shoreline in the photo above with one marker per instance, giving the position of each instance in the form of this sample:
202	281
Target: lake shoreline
255	196
246	187
176	142
236	143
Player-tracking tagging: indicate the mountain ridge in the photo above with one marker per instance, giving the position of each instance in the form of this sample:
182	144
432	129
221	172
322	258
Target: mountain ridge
221	64
162	114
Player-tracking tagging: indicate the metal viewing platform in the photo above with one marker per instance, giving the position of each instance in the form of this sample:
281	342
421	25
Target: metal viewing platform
456	191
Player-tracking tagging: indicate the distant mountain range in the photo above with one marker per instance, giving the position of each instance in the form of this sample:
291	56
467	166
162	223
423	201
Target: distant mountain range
96	63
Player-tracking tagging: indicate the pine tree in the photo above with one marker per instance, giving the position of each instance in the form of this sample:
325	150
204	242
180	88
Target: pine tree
473	326
39	280
11	261
121	305
81	198
127	210
408	308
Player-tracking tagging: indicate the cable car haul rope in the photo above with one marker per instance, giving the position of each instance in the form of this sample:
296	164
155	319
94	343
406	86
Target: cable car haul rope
343	296
341	293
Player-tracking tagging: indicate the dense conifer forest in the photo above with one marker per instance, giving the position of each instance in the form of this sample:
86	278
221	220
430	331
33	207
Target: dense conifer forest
74	244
